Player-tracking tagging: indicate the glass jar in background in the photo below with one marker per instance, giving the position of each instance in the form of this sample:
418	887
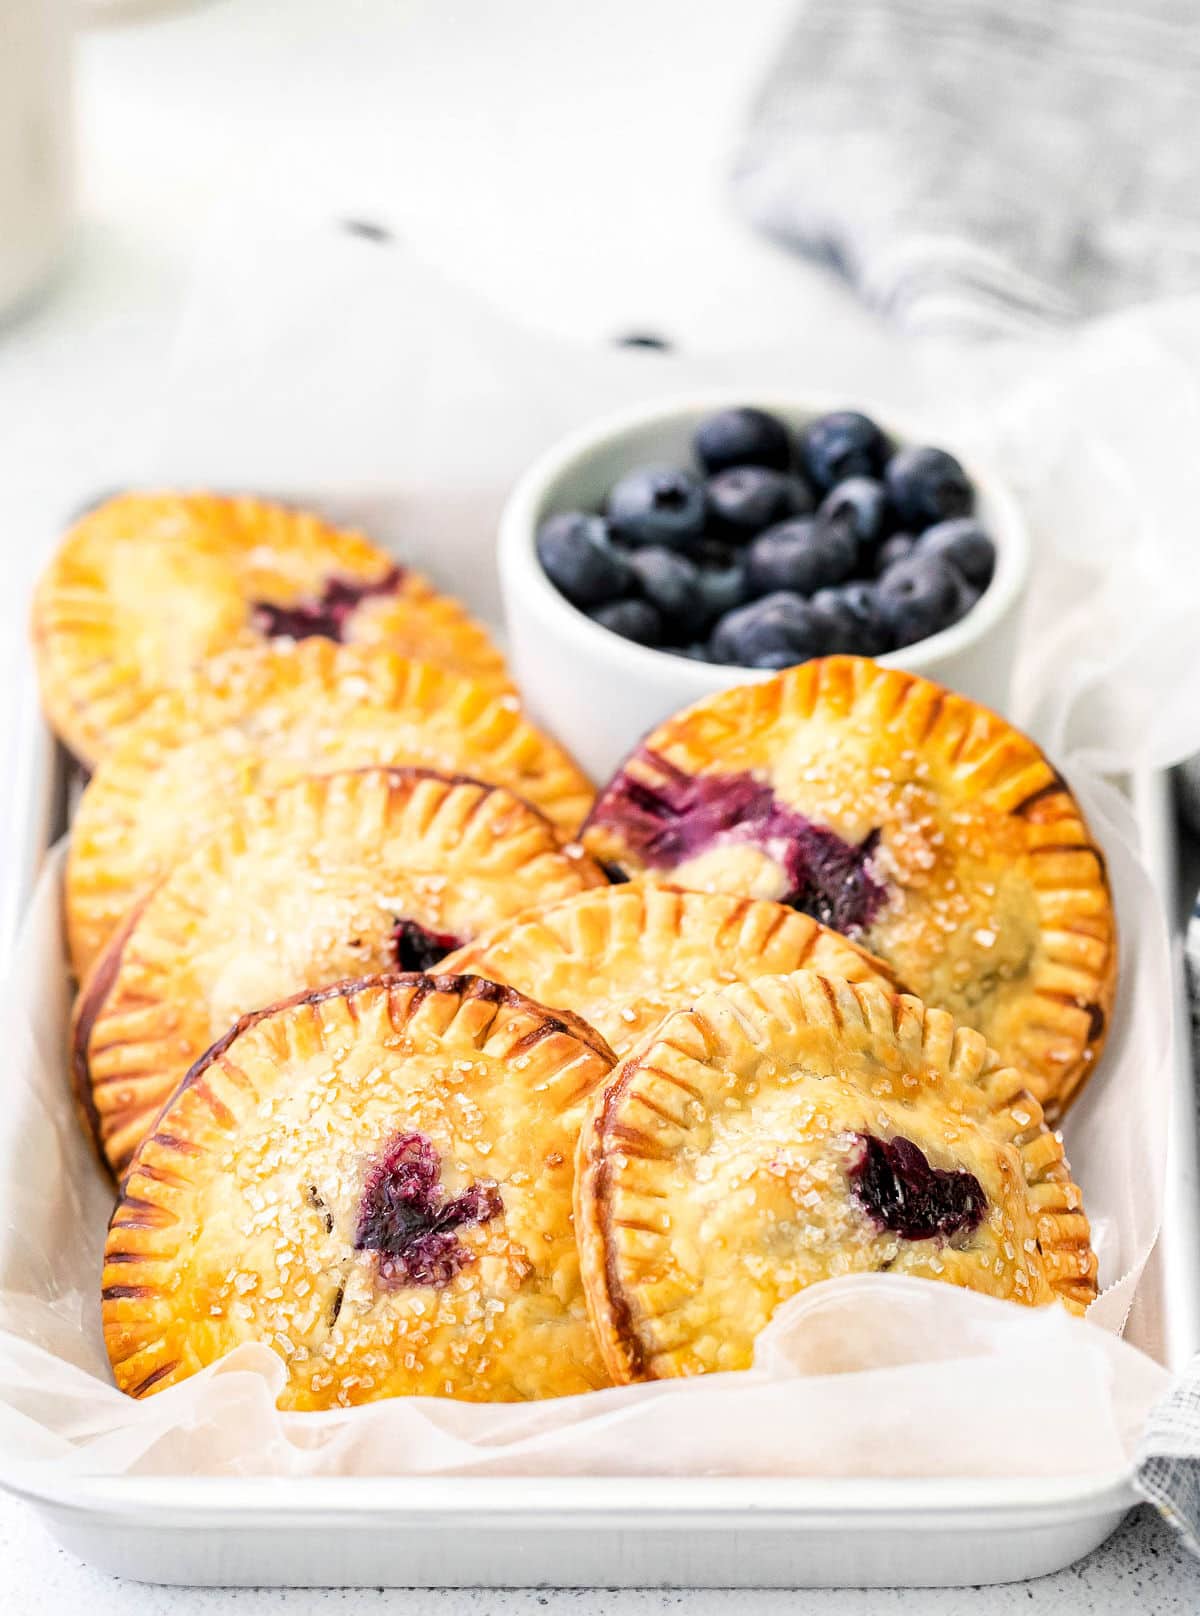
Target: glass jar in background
37	156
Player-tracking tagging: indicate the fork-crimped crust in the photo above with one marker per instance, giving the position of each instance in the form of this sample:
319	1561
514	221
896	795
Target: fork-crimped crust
717	1169
938	835
242	1217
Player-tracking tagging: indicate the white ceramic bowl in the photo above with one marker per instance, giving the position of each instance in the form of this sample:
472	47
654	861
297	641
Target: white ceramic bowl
600	694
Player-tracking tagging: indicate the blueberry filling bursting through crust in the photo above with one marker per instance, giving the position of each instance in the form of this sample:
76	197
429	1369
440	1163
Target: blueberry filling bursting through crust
405	1217
897	1188
418	949
327	613
683	815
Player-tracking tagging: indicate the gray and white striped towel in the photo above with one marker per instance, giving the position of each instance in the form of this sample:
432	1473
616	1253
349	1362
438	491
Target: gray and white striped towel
985	167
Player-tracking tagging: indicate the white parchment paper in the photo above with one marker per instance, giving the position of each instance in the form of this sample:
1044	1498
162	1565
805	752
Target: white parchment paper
333	368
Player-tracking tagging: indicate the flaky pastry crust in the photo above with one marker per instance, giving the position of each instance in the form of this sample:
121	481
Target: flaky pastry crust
332	877
148	587
374	1180
623	957
256	720
920	823
765	1139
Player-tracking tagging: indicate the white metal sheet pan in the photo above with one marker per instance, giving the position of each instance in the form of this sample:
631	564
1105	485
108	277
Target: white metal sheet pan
580	1532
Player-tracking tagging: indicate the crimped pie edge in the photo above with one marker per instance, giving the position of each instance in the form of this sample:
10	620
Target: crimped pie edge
381	680
563	931
140	1219
65	666
1052	1195
1026	785
106	1004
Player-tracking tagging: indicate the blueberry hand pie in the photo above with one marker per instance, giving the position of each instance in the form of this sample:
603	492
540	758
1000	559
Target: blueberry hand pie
148	587
255	720
623	957
334	876
913	820
796	1129
375	1181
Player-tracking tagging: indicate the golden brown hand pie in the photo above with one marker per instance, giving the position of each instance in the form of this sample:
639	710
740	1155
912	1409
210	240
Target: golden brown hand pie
257	719
374	1180
913	820
796	1129
334	876
148	587
623	957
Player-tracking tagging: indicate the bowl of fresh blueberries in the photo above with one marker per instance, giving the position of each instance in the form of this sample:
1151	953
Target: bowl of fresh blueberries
677	549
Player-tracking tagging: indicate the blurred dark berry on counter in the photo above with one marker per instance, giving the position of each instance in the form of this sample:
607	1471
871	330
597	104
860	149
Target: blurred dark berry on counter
644	339
368	230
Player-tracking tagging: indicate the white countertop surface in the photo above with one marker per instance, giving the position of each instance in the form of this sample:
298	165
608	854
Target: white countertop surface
567	159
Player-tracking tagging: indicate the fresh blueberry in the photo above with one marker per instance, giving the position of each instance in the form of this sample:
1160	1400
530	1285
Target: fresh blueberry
775	632
918	597
964	544
836	627
714	552
856	623
658	505
671	582
862	503
967	596
801	556
632	620
579	560
694	653
745	499
720	589
927	486
841	445
897	548
742	437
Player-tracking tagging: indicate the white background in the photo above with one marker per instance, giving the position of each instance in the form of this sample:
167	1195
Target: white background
568	159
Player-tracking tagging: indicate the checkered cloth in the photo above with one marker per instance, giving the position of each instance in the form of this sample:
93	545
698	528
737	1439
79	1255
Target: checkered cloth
1169	1458
1006	166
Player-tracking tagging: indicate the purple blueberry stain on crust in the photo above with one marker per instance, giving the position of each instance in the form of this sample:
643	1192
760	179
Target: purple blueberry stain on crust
896	1187
405	1217
682	815
325	614
418	948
